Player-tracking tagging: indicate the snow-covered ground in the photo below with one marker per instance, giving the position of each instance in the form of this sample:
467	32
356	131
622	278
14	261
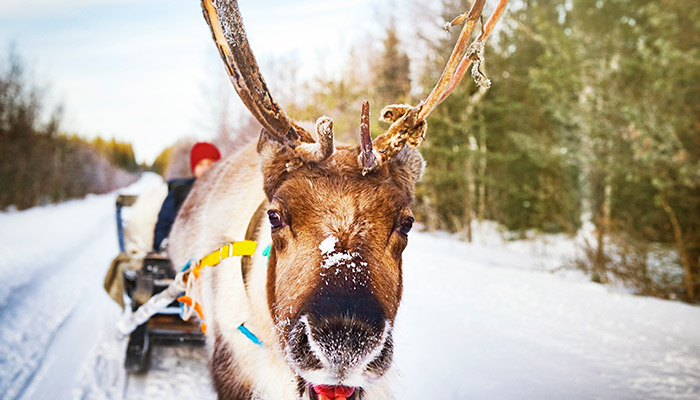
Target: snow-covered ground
486	320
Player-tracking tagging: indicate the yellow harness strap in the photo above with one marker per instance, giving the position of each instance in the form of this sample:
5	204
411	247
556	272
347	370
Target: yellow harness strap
190	298
242	248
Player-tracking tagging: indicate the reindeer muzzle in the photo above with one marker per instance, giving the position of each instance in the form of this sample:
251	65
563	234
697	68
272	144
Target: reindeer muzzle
342	341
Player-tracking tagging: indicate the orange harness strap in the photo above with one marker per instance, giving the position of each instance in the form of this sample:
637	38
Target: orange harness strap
190	299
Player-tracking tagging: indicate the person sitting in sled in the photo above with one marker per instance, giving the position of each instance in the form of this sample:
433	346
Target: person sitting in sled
202	156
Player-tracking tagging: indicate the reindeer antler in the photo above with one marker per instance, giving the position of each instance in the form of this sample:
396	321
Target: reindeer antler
224	19
367	158
408	123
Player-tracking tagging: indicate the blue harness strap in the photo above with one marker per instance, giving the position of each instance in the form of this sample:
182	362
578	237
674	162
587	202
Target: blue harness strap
250	335
182	305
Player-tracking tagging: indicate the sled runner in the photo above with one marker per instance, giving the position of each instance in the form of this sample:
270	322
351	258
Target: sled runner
132	280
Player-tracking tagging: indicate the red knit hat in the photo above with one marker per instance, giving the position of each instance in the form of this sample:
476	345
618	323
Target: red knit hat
202	150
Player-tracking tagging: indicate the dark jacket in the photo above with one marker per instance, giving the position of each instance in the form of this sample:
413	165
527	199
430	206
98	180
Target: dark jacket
178	189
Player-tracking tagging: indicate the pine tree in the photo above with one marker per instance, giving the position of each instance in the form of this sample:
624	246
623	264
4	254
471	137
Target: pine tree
392	83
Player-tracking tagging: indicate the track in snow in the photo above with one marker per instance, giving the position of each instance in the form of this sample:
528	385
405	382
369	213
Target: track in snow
43	314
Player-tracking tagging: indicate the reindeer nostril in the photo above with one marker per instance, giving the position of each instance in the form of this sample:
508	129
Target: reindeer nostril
299	349
361	307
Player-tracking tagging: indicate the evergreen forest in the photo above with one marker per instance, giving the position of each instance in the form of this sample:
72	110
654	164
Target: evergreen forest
593	118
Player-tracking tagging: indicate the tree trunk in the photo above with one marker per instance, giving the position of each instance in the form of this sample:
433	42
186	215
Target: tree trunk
468	196
689	276
474	100
694	264
482	167
597	273
602	226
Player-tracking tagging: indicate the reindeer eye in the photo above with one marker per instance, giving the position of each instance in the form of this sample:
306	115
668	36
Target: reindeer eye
275	219
406	225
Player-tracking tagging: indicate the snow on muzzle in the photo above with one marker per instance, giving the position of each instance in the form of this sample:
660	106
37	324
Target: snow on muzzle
343	341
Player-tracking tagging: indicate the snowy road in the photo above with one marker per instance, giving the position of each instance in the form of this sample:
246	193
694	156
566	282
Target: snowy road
478	321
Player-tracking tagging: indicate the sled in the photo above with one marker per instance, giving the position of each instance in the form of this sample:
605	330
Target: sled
142	279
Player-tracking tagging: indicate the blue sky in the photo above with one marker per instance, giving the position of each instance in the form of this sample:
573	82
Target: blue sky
143	71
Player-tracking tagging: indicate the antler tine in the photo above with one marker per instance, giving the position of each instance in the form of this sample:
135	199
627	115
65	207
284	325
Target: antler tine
324	129
320	151
224	19
474	54
367	159
458	53
409	123
495	17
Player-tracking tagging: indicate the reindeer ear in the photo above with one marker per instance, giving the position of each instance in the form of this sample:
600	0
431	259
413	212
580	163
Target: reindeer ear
269	145
275	160
407	168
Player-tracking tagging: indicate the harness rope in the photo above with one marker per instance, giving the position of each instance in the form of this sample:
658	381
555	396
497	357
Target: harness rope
187	281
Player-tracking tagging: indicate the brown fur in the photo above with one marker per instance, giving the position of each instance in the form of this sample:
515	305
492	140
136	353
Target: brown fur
223	366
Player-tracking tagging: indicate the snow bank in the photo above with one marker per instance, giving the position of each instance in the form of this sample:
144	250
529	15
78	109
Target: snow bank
487	321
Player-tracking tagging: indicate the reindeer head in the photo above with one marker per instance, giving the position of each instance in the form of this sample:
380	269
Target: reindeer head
334	276
340	218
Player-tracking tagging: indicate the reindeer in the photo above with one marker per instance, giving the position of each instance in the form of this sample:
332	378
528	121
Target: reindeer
322	305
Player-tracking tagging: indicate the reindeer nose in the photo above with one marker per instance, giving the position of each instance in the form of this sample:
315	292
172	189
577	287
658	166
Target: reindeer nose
339	304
